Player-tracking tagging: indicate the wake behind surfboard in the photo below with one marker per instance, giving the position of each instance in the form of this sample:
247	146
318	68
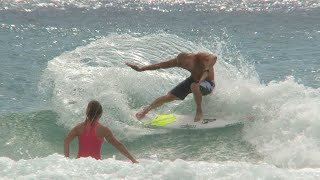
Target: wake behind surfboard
175	121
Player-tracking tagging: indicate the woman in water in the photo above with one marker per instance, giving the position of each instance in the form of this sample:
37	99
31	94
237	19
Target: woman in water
91	135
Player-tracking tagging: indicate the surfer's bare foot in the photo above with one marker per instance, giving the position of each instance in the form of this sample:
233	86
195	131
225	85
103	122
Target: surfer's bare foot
140	115
198	117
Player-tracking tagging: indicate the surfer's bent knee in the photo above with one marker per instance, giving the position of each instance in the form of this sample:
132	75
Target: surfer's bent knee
172	97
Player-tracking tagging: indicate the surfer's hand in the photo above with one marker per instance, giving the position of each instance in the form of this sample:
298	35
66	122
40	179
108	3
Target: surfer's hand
135	67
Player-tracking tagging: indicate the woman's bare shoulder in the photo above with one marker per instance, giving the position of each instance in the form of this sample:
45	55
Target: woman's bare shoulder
79	125
79	128
103	130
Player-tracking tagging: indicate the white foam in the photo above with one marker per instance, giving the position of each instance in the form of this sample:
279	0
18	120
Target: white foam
57	167
286	129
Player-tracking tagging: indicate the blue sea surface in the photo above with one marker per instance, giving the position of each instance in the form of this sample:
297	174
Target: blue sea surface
58	55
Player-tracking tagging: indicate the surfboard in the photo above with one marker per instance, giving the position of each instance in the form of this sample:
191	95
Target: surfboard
176	121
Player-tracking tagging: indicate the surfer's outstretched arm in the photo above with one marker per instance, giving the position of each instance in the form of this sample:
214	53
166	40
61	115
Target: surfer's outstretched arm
162	65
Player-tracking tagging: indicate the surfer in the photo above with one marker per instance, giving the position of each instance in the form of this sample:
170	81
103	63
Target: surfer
91	135
200	83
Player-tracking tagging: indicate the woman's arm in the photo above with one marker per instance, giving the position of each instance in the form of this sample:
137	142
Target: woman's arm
71	135
118	145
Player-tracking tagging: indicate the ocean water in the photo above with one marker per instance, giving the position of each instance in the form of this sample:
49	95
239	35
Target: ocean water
56	55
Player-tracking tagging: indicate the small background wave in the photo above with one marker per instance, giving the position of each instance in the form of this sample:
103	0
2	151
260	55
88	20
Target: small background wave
168	5
57	55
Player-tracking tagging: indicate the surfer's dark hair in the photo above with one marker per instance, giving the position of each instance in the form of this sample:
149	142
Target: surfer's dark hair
94	111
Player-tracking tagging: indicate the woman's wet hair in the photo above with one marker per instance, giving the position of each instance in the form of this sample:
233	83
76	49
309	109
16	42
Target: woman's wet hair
94	111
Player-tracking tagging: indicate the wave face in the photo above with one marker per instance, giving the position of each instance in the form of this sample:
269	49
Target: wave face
98	70
285	123
56	55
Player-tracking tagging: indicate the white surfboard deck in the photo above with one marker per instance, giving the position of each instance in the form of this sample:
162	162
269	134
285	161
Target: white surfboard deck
187	122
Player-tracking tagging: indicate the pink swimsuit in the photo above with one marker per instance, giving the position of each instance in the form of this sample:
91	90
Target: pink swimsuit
89	143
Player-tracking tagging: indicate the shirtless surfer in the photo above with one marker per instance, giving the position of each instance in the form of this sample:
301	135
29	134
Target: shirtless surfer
200	83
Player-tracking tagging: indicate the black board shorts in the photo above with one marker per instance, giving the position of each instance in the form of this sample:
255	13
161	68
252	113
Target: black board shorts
182	90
